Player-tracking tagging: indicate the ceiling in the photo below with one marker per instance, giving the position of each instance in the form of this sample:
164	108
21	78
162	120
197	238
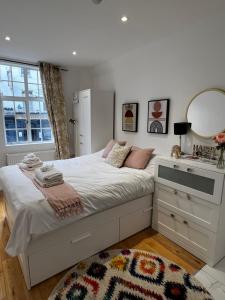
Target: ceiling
50	30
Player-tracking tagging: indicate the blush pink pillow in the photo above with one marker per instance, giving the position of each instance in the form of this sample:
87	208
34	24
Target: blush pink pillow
138	158
110	145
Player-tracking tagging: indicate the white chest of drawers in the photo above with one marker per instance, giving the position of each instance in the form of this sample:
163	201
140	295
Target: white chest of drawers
189	206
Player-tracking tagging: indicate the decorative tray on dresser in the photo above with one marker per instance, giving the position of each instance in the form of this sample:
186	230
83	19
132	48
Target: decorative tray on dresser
189	206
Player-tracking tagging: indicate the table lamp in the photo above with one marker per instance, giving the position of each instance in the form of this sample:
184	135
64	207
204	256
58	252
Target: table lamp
181	129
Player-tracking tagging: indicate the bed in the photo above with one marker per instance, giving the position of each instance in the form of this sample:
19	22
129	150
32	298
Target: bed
117	204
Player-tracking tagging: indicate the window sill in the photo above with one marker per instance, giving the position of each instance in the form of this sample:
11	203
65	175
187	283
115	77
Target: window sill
30	144
32	147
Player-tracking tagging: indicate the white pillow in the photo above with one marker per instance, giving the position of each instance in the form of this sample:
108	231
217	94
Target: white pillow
117	155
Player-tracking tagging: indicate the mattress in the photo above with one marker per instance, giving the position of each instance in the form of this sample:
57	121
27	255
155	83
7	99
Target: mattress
100	185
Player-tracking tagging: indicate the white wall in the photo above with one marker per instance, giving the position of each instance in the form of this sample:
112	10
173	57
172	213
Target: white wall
177	68
85	78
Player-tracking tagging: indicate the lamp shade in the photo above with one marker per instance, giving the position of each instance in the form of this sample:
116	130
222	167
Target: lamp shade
181	128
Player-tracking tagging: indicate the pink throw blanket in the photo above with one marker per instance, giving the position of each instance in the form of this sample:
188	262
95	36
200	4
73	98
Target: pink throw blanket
64	200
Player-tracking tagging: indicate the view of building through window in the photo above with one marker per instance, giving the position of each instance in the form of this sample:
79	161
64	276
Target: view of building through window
25	117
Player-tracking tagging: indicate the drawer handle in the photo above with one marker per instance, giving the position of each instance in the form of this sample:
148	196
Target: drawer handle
147	210
189	170
188	197
185	222
84	237
172	215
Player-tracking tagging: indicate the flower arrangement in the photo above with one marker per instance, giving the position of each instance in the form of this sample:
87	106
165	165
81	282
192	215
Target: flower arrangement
220	140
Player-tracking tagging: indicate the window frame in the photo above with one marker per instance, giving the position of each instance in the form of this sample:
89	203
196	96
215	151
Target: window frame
26	99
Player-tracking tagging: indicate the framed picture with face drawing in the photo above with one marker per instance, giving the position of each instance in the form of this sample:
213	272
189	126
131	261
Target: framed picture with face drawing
130	117
158	116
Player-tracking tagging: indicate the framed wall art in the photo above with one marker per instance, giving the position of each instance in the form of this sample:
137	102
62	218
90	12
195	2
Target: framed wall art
158	116
130	117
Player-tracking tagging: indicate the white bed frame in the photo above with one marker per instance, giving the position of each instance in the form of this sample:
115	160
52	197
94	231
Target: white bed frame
58	250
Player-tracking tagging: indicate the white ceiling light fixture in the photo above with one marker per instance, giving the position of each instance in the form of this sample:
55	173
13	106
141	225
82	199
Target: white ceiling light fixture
7	38
124	19
74	53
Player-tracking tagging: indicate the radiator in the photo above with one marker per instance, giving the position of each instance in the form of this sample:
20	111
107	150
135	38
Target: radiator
12	159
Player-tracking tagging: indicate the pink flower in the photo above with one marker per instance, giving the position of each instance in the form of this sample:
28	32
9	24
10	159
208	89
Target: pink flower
220	138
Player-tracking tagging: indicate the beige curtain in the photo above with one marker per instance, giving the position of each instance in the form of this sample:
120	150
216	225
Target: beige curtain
55	102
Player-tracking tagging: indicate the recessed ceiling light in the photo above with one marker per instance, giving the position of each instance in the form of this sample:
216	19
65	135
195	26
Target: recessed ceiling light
124	19
74	53
7	38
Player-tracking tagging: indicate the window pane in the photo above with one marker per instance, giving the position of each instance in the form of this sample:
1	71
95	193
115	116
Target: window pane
34	107
46	134
6	88
10	122
36	135
5	73
40	91
32	76
18	74
21	117
22	135
11	136
45	123
33	90
18	89
21	123
8	107
43	107
39	77
35	123
20	107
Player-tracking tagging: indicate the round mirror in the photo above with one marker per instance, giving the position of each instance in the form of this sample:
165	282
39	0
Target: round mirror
206	113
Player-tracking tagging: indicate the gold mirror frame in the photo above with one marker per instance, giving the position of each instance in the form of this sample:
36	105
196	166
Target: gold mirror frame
193	98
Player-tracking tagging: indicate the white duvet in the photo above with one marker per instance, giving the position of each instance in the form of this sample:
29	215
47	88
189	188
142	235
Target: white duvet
100	186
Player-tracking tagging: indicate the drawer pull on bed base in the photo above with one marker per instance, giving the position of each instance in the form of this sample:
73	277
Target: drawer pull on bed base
83	237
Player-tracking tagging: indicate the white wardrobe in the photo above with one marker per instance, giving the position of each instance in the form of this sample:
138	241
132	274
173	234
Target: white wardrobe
95	114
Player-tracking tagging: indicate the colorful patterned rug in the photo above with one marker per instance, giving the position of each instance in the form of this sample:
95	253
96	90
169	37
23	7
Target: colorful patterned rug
128	275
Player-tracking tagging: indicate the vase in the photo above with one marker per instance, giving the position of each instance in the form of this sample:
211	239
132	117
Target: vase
220	162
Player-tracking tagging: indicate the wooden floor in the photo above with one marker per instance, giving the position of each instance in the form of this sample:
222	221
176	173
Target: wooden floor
12	285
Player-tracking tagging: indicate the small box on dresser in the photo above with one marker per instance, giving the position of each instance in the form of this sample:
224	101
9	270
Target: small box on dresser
189	206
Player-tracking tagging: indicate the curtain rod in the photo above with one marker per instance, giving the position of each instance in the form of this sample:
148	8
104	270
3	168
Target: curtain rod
26	63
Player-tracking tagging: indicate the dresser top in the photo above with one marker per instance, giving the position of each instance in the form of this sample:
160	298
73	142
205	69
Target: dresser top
193	163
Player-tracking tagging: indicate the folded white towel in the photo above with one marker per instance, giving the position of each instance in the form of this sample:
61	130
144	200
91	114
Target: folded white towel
30	167
47	167
30	155
49	184
31	161
48	176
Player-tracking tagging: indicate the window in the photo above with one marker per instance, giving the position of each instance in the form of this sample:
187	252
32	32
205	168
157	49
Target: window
25	117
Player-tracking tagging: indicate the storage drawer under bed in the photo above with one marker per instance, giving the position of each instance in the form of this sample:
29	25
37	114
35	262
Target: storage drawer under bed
134	222
72	251
51	253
